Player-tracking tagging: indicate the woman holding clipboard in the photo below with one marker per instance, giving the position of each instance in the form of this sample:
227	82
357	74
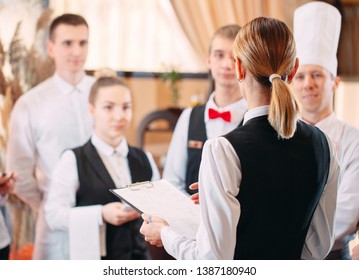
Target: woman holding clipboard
267	190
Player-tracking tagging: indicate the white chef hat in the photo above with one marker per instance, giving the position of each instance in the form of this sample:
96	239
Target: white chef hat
316	32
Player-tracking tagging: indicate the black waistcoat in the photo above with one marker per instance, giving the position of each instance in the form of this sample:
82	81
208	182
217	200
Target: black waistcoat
125	241
282	182
196	132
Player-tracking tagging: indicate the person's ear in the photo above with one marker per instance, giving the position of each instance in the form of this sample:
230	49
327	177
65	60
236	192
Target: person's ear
209	62
240	71
91	109
293	71
50	47
336	83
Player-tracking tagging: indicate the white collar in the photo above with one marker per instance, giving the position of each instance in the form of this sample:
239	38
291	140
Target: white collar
67	88
256	112
106	149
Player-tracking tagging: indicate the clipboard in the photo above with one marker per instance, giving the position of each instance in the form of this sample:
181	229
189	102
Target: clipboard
133	187
160	198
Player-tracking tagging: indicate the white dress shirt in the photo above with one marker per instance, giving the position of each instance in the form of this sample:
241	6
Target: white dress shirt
220	210
345	139
61	213
47	120
177	156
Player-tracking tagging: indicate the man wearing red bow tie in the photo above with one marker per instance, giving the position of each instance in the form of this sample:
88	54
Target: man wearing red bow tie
222	113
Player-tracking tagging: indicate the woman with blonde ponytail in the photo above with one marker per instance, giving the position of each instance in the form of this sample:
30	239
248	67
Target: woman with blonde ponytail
267	190
270	58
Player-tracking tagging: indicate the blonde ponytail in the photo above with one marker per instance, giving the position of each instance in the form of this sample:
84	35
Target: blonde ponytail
283	109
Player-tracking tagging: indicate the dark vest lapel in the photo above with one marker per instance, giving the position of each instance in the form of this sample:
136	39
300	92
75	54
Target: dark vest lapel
122	242
97	165
196	137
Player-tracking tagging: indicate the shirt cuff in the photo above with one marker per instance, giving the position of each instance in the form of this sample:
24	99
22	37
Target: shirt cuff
168	236
99	215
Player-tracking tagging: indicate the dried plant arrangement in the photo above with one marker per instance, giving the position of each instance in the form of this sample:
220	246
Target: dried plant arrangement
28	68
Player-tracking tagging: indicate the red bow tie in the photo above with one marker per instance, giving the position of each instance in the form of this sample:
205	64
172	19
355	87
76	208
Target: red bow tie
213	114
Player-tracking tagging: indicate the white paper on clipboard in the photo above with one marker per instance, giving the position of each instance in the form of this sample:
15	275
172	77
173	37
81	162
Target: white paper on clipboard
160	198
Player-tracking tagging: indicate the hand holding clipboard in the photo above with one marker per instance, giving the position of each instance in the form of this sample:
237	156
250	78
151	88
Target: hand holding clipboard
162	199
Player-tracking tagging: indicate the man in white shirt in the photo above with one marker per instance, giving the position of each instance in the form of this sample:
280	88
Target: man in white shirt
316	30
221	114
47	120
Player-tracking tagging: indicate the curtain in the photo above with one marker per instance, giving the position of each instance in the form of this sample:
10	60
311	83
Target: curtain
134	35
199	19
348	55
150	35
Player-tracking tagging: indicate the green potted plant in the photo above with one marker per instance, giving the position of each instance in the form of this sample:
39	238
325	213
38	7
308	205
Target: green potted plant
173	77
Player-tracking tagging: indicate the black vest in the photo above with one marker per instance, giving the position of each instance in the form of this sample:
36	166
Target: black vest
196	132
281	186
125	241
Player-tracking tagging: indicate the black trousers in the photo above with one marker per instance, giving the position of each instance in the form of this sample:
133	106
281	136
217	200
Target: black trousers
4	253
342	254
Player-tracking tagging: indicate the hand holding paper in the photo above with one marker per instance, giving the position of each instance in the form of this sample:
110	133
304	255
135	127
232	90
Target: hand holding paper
151	229
194	197
163	200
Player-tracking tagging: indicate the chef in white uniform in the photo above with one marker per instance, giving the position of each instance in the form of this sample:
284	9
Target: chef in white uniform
316	31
